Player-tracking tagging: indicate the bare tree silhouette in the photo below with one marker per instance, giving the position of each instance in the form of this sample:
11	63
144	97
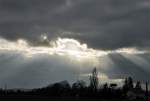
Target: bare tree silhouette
94	80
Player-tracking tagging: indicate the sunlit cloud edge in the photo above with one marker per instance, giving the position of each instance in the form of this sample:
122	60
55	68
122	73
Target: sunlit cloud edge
64	47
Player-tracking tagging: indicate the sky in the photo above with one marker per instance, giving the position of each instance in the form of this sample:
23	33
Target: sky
47	41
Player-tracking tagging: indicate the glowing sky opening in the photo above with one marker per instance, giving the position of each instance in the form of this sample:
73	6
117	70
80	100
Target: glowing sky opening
62	46
103	78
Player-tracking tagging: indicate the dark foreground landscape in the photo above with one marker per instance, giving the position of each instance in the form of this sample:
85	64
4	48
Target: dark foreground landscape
37	98
79	91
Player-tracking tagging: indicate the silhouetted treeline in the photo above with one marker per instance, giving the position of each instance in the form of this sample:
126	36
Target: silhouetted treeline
80	89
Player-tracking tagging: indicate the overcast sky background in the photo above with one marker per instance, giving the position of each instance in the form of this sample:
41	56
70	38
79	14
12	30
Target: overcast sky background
101	24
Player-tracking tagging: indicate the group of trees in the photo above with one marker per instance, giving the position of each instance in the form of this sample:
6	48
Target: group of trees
80	89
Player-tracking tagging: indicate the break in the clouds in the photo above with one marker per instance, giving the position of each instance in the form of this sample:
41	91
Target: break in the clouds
64	47
112	35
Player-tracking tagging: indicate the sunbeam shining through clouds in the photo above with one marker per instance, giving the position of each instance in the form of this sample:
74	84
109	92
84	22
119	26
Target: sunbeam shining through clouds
20	56
47	41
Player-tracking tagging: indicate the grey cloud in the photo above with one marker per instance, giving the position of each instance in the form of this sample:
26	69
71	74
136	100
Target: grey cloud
105	24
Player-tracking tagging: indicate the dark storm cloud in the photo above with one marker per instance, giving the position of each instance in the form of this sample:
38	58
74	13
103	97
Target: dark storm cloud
105	24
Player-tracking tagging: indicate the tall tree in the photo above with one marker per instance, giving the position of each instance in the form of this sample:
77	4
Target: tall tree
94	79
138	86
128	84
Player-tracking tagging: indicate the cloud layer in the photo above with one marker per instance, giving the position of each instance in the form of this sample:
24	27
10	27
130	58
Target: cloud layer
102	24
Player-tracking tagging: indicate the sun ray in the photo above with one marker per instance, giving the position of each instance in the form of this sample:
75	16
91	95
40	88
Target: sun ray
143	63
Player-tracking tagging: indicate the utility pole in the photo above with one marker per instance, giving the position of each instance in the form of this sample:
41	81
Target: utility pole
146	85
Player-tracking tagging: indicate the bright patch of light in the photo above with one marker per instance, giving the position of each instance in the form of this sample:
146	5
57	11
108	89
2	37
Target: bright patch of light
74	48
103	78
44	37
62	46
130	51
